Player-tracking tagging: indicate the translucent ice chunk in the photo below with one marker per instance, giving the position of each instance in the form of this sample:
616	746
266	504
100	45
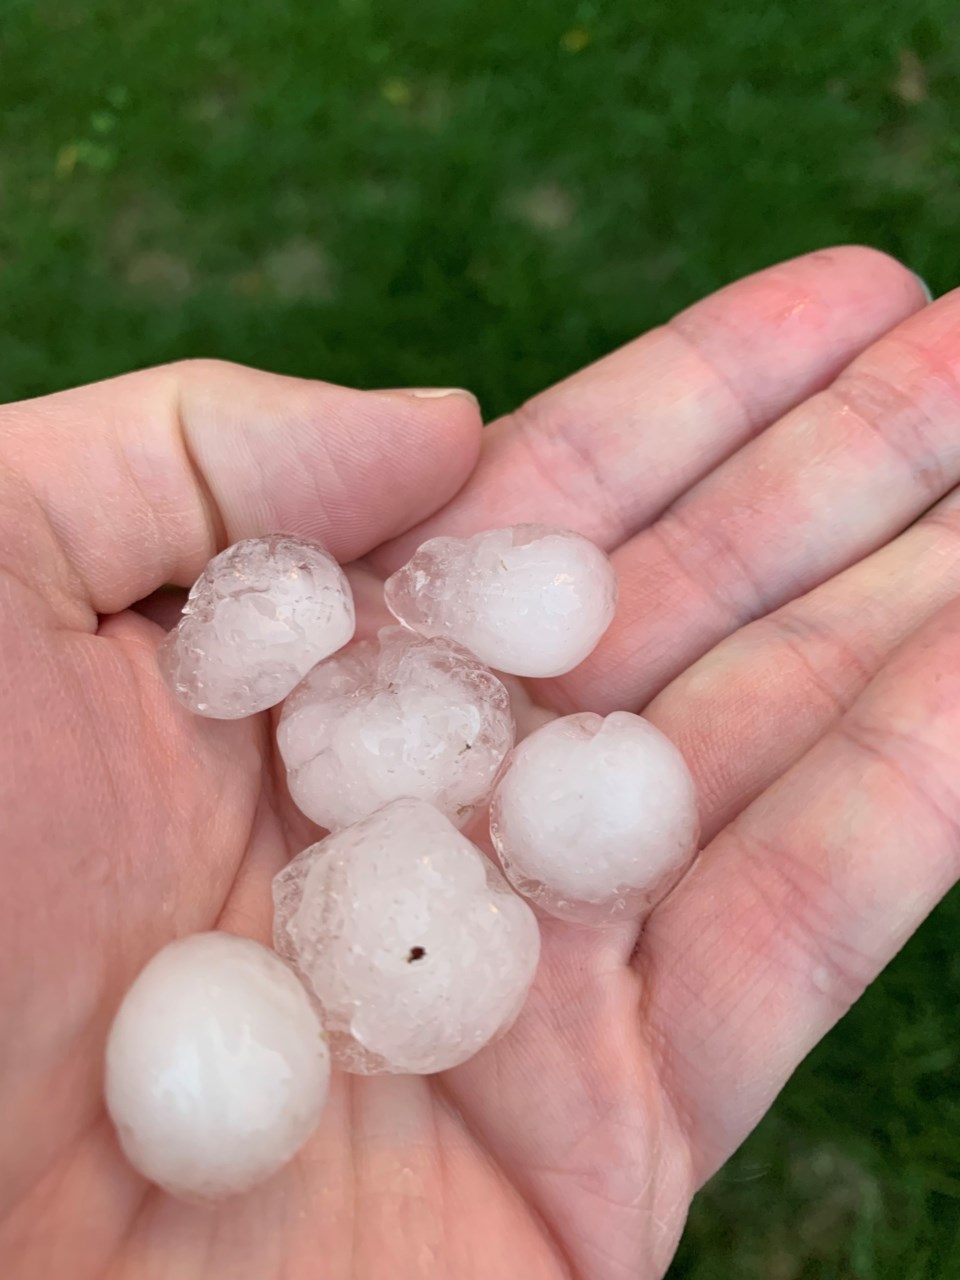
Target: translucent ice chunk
527	600
393	717
261	614
595	819
417	950
217	1069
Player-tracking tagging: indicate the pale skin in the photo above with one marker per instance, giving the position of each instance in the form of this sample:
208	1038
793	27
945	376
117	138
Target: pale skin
774	473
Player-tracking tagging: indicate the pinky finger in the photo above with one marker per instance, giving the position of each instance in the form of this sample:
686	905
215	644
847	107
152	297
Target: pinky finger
796	907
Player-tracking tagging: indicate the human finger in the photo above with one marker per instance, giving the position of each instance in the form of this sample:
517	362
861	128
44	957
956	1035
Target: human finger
121	487
826	485
606	450
799	903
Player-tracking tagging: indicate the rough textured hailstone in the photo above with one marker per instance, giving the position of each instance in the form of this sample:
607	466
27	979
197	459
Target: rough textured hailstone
527	600
595	818
393	717
217	1068
417	950
261	614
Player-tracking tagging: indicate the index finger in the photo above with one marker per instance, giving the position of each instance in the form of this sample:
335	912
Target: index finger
608	449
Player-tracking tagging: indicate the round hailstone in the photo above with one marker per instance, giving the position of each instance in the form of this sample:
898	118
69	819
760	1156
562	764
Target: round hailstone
217	1068
417	950
595	818
393	717
261	614
528	600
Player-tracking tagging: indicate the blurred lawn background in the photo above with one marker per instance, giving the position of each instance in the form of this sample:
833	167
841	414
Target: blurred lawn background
491	196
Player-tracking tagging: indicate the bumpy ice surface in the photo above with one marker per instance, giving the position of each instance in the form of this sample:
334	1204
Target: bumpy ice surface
217	1069
527	600
595	818
417	950
393	717
261	614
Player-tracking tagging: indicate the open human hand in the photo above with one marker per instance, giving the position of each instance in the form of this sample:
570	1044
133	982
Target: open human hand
775	475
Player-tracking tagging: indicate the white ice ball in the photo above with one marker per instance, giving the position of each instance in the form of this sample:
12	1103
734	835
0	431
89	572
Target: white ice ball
393	717
417	950
595	818
528	600
217	1068
261	614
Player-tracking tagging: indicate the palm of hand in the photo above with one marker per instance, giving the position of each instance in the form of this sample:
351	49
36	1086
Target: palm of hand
572	1147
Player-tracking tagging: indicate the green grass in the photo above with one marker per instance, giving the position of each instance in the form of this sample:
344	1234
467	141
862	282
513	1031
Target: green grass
491	195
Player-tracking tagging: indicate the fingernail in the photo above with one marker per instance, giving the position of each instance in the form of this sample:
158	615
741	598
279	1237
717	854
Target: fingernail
927	291
437	393
428	393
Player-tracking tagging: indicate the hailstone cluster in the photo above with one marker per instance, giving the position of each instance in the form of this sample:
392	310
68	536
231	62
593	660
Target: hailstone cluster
528	600
392	718
407	948
217	1066
412	942
595	817
261	614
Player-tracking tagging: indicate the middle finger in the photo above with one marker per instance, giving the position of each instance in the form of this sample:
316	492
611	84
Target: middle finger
775	687
834	479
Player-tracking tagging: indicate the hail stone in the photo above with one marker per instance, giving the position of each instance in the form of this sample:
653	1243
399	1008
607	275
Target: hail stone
414	945
261	614
217	1068
528	600
392	717
595	818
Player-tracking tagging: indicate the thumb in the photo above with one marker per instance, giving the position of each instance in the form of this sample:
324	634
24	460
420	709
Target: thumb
120	487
